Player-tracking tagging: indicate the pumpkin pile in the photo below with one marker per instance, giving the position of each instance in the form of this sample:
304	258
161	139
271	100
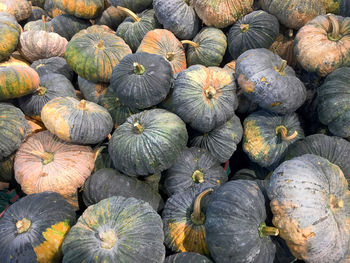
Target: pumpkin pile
174	131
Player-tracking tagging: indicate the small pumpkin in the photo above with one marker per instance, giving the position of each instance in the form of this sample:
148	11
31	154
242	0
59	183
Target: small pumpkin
68	25
86	9
92	91
57	65
111	17
20	9
186	257
136	6
9	34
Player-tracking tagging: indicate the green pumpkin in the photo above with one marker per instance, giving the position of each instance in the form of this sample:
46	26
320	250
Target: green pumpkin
267	80
52	9
86	9
111	17
9	34
207	47
194	166
68	25
117	229
6	168
135	145
53	65
187	257
33	228
249	174
310	202
255	30
340	7
134	5
92	91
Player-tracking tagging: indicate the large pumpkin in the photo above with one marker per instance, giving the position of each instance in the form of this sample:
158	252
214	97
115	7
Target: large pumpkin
86	9
9	34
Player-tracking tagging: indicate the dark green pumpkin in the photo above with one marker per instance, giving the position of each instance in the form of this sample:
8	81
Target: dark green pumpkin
135	145
37	13
194	166
136	6
111	17
33	228
53	65
267	80
9	34
92	91
86	9
142	80
205	98
6	168
255	30
68	25
187	257
116	229
235	224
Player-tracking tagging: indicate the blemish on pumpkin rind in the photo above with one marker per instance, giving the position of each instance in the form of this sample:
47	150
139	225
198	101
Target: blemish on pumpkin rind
246	85
276	103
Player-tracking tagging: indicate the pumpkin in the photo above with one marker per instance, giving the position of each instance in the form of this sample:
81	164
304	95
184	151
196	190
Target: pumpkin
134	5
92	91
207	48
341	7
107	182
35	45
323	44
221	13
194	166
310	202
284	47
255	30
267	80
15	59
249	174
183	221
177	16
38	3
51	86
86	9
134	146
53	65
35	125
204	97
142	80
222	141
71	120
163	42
33	228
37	13
68	25
40	24
9	34
235	224
187	257
102	158
266	136
93	55
52	8
117	229
111	17
6	168
20	9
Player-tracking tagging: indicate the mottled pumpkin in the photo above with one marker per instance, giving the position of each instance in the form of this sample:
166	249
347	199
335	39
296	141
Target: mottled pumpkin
56	65
92	91
111	17
267	80
164	43
310	202
134	5
323	44
134	146
9	34
86	9
20	9
117	229
68	25
187	257
52	9
340	7
33	228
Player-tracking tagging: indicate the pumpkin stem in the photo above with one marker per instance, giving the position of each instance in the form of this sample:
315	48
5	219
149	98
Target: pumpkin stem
198	177
139	128
265	231
108	239
129	13
139	69
23	225
193	44
197	216
290	32
100	44
284	132
46	157
170	56
82	105
41	90
334	35
244	27
335	203
210	92
282	67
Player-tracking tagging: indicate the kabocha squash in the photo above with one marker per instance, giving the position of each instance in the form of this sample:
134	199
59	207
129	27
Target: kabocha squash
187	257
222	141
183	220
111	17
333	102
40	24
177	16
6	168
53	65
9	34
284	47
134	5
310	202
116	229
322	45
33	228
86	9
204	97
163	42
135	27
135	145
221	13
77	121
37	13
93	55
294	13
340	7
267	80
15	59
267	136
52	9
142	80
92	91
255	30
194	166
20	9
102	158
108	182
14	129
207	47
235	224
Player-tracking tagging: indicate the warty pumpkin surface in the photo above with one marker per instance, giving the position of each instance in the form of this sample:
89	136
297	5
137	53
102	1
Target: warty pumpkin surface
86	9
9	34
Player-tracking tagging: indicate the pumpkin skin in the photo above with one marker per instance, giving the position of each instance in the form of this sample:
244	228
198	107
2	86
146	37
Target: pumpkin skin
222	141
108	182
39	3
205	98
111	17
81	122
6	169
9	34
234	228
187	257
93	55
194	166
102	158
117	229
267	136
86	9
92	91
134	146
267	80
255	30
142	80
134	5
20	9
163	42
33	228
53	65
52	8
40	24
207	48
221	13
37	13
177	16
284	47
310	202
328	35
